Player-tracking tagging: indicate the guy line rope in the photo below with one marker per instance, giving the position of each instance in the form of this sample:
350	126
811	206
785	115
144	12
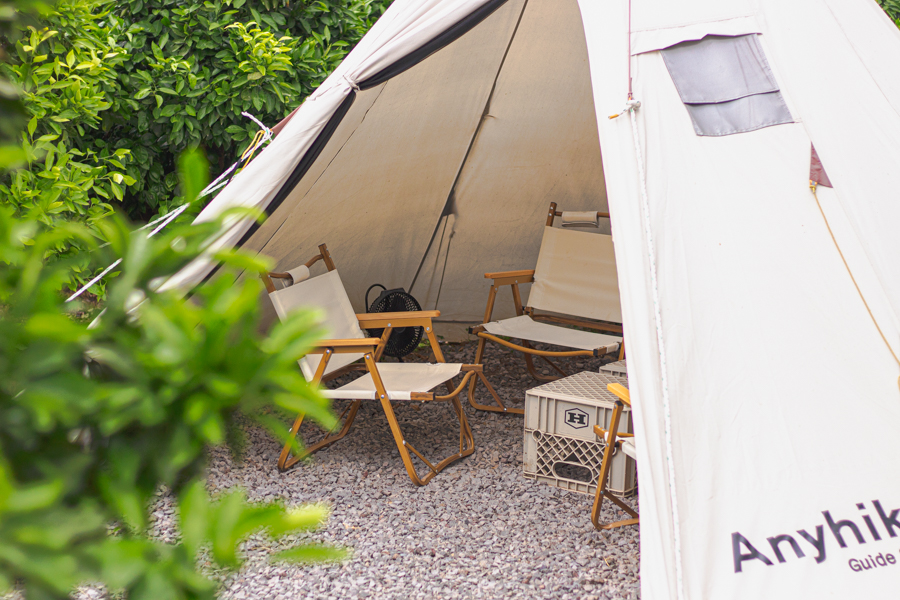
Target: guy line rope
631	107
812	186
262	136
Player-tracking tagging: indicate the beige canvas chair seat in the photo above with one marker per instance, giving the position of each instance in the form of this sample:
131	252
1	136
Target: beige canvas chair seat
526	328
348	348
574	288
400	380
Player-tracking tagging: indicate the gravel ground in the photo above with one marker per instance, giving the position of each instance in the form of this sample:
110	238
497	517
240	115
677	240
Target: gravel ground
479	529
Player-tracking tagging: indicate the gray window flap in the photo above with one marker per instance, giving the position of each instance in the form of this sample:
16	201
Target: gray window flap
726	84
719	69
739	116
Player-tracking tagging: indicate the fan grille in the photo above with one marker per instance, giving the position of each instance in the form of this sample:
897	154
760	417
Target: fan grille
403	340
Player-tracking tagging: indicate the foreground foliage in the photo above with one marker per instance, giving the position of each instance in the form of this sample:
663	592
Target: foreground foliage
93	420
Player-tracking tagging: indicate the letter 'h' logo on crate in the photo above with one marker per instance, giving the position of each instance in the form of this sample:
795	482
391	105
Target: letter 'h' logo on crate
576	418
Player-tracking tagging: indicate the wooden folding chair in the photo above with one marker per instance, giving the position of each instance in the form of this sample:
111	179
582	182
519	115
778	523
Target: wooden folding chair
574	284
385	382
626	445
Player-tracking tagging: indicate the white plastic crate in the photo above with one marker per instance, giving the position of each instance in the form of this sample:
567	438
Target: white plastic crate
615	368
561	448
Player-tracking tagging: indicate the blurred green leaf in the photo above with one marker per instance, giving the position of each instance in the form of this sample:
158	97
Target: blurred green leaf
94	421
193	172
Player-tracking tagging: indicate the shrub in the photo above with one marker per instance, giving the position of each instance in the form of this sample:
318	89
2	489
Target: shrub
67	76
892	8
12	113
195	66
80	454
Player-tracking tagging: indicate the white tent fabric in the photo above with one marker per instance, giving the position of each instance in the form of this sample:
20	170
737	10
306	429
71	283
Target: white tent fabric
401	30
752	485
425	227
753	297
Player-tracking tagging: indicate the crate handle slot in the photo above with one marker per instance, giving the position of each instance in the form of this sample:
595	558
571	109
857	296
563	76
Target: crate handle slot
574	472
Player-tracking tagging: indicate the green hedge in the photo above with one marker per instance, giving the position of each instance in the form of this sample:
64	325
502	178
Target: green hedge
892	8
195	66
113	92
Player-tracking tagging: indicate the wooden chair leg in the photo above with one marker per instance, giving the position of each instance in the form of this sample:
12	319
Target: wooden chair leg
479	355
595	512
466	439
529	364
532	370
406	449
555	367
467	443
605	467
286	460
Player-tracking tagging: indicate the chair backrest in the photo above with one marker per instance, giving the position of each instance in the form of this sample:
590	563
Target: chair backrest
326	293
576	275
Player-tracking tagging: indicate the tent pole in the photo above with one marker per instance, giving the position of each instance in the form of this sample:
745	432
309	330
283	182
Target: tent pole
628	54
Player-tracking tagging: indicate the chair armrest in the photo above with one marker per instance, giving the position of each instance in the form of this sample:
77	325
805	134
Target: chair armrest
511	277
621	392
601	433
420	318
499	274
398	316
346	346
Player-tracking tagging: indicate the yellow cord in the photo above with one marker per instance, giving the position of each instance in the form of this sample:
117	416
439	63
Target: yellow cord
248	153
812	186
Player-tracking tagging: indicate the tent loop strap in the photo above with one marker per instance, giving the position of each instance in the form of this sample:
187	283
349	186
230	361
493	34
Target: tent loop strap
813	186
353	85
631	107
267	133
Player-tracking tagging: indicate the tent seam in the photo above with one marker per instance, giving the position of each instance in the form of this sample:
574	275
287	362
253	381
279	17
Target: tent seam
333	158
695	22
861	61
462	165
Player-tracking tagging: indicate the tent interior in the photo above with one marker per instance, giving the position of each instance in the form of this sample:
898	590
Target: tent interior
445	172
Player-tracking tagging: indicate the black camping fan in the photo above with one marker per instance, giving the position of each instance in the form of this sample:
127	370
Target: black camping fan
403	340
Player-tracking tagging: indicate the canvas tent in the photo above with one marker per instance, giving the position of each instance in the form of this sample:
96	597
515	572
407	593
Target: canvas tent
762	330
443	171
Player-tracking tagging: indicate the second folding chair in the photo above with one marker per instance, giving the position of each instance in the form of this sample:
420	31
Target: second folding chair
349	349
573	302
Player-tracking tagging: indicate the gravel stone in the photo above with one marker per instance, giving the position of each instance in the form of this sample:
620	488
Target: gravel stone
479	529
